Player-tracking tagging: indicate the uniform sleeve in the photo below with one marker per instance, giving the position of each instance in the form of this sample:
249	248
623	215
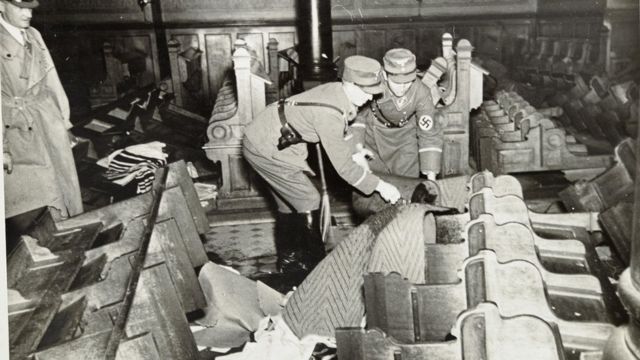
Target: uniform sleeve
430	133
358	127
331	132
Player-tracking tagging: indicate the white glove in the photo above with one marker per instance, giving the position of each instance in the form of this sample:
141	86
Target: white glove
389	192
362	157
430	175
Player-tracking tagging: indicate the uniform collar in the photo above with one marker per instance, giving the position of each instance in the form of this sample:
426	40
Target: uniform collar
400	102
350	110
15	31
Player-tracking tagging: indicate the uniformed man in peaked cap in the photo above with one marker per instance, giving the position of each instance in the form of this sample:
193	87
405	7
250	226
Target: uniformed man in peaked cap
275	144
402	130
39	169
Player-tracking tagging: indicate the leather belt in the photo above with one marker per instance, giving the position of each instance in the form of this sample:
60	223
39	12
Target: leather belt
375	109
20	102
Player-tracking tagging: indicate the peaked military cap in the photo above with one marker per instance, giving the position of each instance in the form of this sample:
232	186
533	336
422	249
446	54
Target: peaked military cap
29	4
400	65
364	72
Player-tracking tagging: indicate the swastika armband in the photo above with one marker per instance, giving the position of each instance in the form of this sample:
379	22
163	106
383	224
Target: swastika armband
425	122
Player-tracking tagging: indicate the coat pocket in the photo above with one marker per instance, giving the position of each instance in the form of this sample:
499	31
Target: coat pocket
26	146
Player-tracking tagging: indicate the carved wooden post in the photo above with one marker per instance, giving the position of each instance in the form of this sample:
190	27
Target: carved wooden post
274	63
571	50
584	56
555	55
544	51
450	84
455	156
174	62
447	46
529	52
569	58
242	68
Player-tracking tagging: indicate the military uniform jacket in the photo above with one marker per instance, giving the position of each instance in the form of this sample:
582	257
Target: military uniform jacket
402	132
313	123
35	119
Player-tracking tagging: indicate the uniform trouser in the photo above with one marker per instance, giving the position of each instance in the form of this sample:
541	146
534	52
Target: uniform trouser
292	189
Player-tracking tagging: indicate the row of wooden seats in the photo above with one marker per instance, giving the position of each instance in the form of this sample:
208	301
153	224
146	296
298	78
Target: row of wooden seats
554	57
67	279
497	289
510	135
600	106
602	110
542	73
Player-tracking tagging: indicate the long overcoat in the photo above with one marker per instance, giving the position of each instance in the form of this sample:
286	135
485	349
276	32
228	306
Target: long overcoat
35	119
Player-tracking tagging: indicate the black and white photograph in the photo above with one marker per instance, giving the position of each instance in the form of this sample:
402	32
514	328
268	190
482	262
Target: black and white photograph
320	180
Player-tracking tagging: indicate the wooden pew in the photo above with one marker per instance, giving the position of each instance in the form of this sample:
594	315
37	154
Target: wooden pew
156	329
532	143
424	312
607	189
239	100
499	338
69	277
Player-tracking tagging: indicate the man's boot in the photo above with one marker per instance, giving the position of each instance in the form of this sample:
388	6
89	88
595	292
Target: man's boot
311	238
290	254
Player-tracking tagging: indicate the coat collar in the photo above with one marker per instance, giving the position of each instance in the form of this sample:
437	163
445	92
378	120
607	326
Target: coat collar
7	37
15	32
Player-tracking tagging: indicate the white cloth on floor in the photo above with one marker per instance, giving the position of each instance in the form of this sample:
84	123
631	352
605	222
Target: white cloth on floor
235	306
276	341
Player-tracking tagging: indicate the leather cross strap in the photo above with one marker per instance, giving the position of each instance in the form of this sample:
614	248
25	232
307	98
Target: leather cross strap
289	135
311	103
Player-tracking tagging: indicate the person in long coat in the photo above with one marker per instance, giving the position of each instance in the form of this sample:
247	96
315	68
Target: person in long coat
275	145
39	170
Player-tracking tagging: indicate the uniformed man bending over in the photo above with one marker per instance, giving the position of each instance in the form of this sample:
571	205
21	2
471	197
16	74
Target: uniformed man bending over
275	146
401	129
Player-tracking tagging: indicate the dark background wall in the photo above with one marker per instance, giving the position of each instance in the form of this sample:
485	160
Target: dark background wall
75	31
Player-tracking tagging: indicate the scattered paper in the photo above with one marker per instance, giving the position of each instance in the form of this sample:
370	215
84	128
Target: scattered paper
98	126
